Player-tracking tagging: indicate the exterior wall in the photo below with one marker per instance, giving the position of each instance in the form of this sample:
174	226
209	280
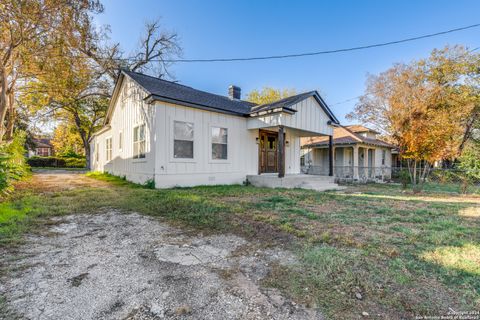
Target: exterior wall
309	118
292	152
130	111
242	149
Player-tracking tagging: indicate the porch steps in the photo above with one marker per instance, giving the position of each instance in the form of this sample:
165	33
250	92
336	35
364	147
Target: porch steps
303	181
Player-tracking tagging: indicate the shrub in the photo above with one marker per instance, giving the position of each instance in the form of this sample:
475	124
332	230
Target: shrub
57	162
404	178
12	162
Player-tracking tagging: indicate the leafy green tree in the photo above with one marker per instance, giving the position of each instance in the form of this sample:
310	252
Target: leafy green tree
425	106
27	29
268	95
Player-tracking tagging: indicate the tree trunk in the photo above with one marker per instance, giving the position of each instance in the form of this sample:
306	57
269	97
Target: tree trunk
87	155
11	117
85	138
3	101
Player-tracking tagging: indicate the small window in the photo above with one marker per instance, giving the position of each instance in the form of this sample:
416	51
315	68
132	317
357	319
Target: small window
384	155
108	149
120	140
139	142
219	143
302	160
182	140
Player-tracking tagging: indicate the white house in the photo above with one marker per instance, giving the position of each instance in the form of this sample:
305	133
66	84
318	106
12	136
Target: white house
179	136
358	154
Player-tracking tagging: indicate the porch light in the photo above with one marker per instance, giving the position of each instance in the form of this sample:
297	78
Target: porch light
287	143
256	140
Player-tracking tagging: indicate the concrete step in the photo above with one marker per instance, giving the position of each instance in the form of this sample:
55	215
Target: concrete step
319	183
322	186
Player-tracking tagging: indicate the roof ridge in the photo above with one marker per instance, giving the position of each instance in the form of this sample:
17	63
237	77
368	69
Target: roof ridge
157	78
354	135
179	84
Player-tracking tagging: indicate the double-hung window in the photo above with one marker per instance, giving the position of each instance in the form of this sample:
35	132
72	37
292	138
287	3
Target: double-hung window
183	140
108	149
384	155
219	143
139	142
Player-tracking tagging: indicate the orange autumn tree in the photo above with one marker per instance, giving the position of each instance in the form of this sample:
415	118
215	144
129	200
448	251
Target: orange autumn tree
424	107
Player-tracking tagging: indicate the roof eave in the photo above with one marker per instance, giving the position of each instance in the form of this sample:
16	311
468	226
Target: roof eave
153	97
272	111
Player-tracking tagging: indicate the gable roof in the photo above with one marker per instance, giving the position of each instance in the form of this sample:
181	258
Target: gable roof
172	92
169	91
360	129
286	103
344	136
42	142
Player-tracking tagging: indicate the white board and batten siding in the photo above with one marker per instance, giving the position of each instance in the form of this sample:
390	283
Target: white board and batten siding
310	119
242	150
130	111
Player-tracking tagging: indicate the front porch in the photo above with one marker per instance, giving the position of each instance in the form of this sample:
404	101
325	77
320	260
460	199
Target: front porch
350	163
291	181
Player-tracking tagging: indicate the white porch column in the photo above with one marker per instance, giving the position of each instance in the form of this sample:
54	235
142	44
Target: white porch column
355	162
366	163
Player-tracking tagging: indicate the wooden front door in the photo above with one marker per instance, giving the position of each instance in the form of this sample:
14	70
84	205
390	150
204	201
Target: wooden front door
268	146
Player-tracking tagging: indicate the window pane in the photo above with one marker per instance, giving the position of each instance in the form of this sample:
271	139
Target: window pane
183	149
142	149
135	134
219	135
219	151
183	130
142	132
135	150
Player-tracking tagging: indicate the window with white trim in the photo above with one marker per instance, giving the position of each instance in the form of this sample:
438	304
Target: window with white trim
183	140
108	149
384	155
219	143
139	142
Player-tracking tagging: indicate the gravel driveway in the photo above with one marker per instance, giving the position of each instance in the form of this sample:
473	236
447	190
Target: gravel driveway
114	265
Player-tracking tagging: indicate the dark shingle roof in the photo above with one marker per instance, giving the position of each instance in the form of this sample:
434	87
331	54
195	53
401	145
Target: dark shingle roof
42	143
284	103
173	92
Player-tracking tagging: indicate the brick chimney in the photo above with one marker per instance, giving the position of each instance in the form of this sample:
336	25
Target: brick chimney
234	92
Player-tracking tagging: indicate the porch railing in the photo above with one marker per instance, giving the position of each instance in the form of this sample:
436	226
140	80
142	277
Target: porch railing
352	173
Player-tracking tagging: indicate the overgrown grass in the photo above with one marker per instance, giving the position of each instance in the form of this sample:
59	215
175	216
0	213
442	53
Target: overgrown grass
372	248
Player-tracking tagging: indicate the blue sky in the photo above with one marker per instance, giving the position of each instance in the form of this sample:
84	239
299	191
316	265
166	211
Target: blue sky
211	29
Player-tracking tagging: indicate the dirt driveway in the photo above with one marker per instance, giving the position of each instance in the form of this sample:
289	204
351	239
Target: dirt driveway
117	265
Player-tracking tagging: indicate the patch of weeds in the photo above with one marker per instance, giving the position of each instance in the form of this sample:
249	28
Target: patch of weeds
302	212
12	219
149	184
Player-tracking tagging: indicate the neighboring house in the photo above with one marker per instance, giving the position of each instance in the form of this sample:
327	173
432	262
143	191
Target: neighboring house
179	136
357	154
43	148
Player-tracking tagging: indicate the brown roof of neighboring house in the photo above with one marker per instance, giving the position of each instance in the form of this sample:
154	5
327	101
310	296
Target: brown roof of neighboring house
42	143
344	136
358	128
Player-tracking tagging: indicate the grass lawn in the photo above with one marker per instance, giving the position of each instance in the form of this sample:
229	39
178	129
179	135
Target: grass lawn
370	248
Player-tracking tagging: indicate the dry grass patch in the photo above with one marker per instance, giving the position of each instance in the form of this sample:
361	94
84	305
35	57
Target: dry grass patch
465	258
